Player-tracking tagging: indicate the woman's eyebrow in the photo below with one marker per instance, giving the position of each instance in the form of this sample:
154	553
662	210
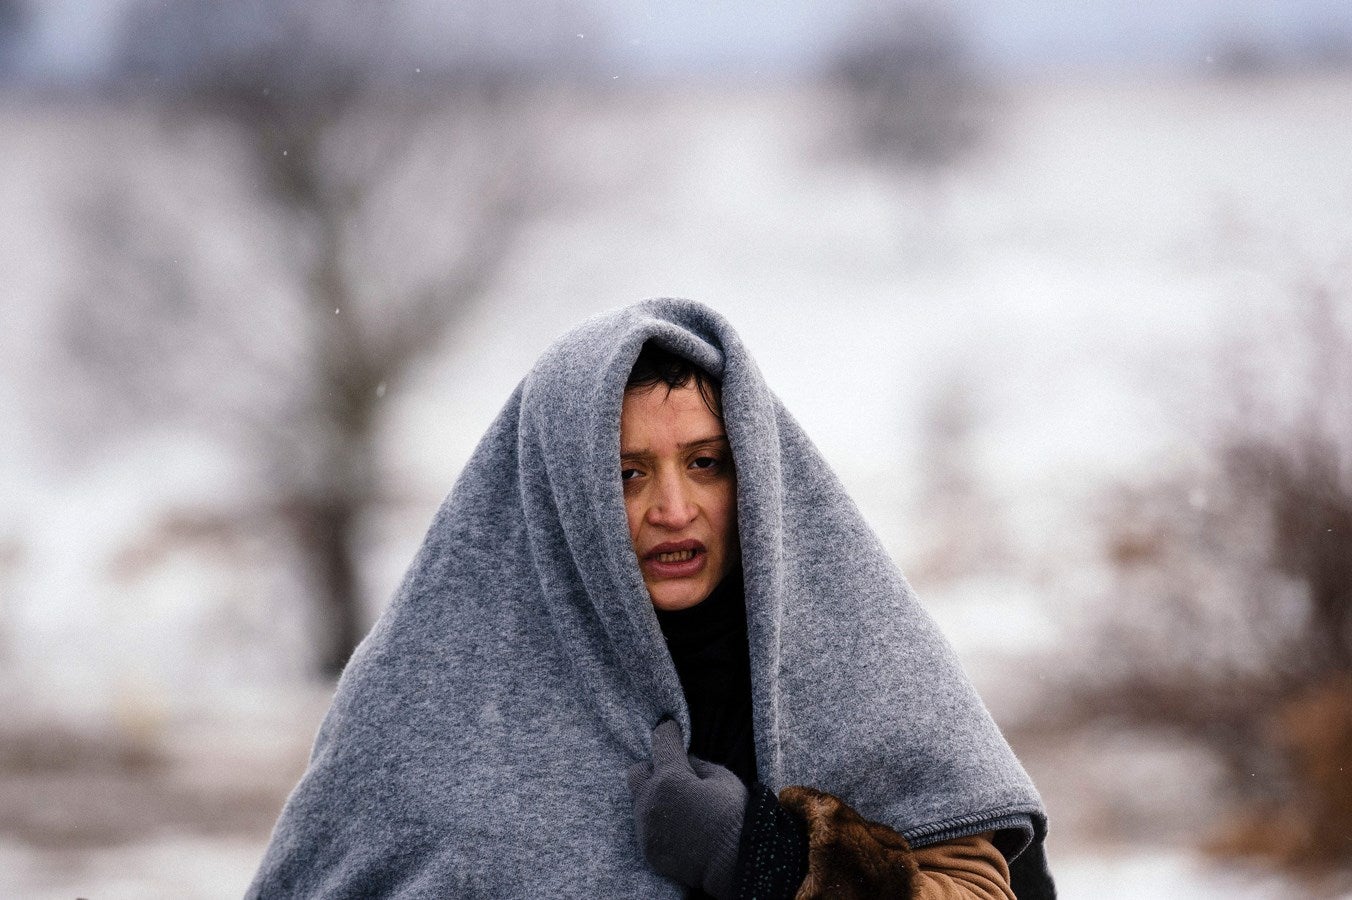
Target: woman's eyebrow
711	439
644	451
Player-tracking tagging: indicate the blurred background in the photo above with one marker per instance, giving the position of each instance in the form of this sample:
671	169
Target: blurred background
1063	291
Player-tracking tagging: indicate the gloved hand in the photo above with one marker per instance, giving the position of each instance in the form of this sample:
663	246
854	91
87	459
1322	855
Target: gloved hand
688	814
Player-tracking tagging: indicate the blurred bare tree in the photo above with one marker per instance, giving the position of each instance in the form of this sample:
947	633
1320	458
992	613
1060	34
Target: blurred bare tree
14	20
395	163
964	530
1230	619
1239	58
12	559
907	89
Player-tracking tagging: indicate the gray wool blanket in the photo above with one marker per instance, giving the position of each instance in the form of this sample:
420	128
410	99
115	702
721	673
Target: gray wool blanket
478	740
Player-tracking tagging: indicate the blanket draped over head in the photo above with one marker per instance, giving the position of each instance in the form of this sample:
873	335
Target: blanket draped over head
478	740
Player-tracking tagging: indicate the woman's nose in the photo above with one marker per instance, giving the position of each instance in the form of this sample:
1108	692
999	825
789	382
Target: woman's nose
672	506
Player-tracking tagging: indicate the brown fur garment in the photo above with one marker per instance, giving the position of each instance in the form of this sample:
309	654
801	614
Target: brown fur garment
849	856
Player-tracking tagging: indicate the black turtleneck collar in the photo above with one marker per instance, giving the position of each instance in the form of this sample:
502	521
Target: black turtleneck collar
722	612
708	645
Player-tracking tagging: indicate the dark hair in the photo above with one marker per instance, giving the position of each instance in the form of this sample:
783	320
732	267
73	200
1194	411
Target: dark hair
656	365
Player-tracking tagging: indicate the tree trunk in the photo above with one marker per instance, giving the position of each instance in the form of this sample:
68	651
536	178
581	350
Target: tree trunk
324	532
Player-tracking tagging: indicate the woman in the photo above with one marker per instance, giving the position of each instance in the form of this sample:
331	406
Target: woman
516	723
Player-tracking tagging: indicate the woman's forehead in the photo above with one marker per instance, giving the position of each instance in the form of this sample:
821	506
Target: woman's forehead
661	412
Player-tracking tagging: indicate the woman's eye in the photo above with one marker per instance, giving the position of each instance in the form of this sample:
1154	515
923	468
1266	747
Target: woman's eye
705	462
627	474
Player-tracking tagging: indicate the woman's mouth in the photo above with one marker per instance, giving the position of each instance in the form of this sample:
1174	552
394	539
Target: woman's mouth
677	556
679	560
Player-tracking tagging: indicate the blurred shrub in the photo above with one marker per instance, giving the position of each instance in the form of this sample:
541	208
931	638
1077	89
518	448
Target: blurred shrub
14	21
1307	828
1229	622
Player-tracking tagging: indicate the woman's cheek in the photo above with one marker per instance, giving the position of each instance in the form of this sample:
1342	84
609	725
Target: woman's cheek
633	512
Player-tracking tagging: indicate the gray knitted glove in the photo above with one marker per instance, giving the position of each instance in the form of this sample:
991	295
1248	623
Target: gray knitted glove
688	814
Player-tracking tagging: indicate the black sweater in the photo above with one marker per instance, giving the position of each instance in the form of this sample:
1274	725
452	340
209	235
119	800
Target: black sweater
708	644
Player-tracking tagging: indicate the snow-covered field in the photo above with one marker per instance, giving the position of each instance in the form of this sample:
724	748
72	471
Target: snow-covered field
219	869
1080	279
195	827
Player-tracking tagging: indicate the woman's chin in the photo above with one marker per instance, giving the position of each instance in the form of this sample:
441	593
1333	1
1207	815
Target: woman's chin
672	597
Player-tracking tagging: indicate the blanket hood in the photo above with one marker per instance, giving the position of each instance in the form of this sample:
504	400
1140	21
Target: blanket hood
478	740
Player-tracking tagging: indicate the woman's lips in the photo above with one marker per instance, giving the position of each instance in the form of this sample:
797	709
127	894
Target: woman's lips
676	560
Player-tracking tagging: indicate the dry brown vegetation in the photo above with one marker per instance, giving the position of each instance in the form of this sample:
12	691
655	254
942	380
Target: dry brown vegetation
1229	619
64	788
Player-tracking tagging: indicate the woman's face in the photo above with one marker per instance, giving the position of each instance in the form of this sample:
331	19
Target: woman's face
680	493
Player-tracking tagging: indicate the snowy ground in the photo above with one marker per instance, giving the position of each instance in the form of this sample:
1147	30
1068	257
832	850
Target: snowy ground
193	825
1080	278
1162	872
220	869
